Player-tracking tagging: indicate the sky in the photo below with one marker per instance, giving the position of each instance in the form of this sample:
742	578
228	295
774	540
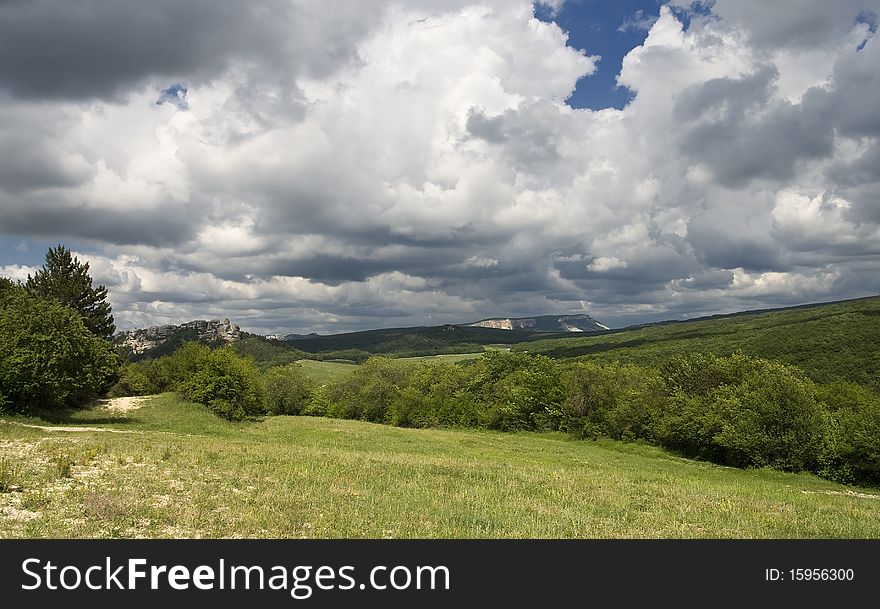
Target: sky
305	165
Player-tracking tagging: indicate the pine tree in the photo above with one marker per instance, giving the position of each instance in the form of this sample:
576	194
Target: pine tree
65	279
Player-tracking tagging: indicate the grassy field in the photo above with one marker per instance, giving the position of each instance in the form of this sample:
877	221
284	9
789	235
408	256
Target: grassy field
325	371
322	371
171	469
450	357
837	341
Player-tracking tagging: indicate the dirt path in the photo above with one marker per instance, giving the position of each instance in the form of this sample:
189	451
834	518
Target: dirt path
845	493
115	405
69	429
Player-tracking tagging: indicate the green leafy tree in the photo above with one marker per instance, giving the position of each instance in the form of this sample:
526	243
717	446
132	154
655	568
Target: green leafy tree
133	380
368	392
288	389
65	279
48	359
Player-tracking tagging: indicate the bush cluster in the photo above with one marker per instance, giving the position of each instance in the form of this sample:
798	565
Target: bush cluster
740	411
227	384
48	357
288	389
230	385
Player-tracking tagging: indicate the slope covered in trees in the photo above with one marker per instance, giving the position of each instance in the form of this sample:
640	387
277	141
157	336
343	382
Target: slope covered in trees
835	341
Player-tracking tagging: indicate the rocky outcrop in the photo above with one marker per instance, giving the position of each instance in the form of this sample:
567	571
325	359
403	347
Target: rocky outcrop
142	340
505	324
544	323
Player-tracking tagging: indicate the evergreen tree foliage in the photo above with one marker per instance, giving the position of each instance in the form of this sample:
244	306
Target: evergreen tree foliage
66	280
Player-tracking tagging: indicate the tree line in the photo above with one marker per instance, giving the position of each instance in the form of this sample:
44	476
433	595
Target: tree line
739	410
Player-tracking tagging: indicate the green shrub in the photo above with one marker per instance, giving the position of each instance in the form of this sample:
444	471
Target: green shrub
688	424
367	393
529	397
702	373
288	389
771	419
741	411
133	380
411	408
173	371
851	450
493	366
318	404
616	400
227	384
434	395
515	391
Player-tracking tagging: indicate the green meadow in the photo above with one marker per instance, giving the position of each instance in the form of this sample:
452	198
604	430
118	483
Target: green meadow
450	357
173	469
321	371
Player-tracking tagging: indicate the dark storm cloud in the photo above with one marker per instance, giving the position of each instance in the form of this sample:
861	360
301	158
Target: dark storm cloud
800	24
30	164
332	206
165	226
448	264
531	133
745	136
852	106
332	270
34	152
865	203
491	129
713	279
859	278
727	247
731	96
865	169
855	96
84	49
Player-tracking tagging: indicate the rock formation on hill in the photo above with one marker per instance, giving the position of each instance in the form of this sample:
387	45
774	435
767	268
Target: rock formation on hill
545	323
143	340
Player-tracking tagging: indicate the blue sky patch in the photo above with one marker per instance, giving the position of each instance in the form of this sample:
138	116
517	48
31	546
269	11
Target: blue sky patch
175	94
609	29
31	251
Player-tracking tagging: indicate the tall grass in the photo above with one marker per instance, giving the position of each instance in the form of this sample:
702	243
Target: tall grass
179	471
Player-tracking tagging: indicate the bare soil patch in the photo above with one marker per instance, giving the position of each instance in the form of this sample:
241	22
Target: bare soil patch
126	404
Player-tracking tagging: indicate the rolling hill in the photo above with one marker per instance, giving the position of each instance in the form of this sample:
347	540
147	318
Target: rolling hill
830	341
833	341
395	342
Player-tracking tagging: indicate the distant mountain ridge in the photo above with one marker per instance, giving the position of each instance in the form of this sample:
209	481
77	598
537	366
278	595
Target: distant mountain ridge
449	338
579	322
299	336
